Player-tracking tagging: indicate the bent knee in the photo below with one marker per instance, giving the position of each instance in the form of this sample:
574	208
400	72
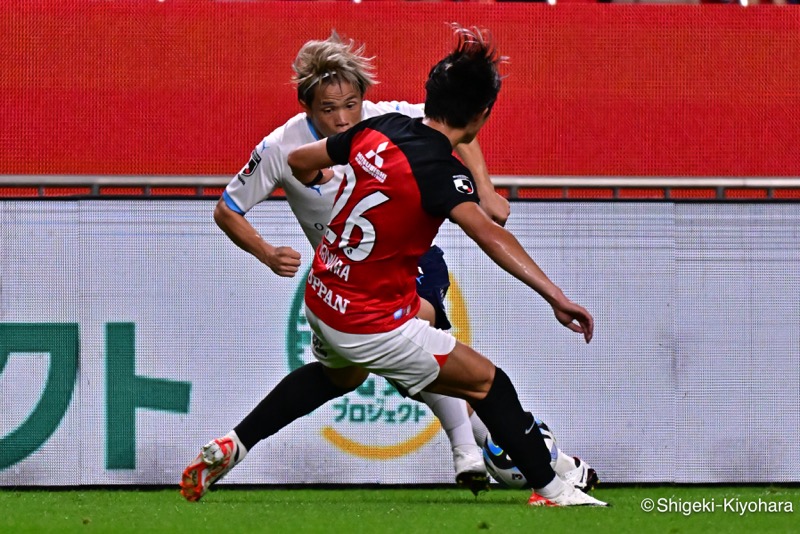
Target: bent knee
481	383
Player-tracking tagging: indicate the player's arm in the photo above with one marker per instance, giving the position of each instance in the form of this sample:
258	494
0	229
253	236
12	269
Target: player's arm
309	163
504	249
255	182
492	203
283	261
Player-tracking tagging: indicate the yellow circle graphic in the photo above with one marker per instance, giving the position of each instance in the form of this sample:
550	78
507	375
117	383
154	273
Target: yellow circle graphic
461	331
382	452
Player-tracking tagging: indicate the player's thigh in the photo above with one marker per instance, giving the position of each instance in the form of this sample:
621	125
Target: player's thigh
407	356
341	371
433	283
346	377
466	374
426	312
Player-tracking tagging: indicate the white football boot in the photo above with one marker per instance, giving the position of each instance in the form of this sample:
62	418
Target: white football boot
216	458
470	469
582	477
571	496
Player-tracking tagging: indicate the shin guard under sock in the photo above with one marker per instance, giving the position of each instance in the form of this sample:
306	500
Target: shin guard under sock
515	430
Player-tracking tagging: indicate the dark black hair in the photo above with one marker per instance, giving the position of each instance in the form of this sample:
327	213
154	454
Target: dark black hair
466	82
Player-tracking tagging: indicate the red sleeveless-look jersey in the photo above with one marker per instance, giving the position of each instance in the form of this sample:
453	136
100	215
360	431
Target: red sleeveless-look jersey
404	183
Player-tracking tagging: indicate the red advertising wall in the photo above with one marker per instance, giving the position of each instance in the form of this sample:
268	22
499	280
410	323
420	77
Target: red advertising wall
190	87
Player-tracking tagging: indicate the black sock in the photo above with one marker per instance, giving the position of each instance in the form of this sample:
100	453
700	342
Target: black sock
514	430
299	393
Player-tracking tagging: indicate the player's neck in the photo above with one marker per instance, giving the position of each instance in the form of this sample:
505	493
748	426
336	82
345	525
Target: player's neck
454	135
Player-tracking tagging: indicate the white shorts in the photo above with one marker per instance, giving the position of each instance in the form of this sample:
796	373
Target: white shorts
406	355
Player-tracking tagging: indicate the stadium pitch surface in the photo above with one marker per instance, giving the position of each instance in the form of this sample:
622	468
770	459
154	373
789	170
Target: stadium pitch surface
706	509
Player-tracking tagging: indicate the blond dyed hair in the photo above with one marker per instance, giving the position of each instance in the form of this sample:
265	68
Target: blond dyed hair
331	61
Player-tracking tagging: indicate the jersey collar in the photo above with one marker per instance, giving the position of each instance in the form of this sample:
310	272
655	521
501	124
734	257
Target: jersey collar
314	131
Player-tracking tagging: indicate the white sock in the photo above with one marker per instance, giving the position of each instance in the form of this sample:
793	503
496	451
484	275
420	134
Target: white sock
479	430
555	488
241	450
452	414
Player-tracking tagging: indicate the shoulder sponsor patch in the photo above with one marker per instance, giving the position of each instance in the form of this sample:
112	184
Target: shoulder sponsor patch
251	166
463	184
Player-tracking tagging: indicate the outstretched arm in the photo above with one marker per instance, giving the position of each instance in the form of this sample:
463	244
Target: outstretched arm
504	249
492	203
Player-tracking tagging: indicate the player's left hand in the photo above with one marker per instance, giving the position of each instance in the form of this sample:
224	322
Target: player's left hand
496	207
575	317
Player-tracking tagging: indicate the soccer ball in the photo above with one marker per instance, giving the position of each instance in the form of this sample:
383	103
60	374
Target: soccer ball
500	465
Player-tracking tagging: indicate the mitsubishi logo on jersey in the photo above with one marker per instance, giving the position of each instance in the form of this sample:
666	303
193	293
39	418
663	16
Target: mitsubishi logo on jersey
373	170
374	154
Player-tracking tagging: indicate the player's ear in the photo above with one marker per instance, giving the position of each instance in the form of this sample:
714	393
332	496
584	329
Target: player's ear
305	107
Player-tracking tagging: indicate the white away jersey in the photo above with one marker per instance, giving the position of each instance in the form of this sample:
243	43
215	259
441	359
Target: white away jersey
268	170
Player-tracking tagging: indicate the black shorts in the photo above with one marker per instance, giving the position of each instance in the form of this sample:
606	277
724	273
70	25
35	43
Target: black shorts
433	282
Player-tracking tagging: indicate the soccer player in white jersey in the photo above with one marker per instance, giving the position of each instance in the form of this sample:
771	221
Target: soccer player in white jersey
332	77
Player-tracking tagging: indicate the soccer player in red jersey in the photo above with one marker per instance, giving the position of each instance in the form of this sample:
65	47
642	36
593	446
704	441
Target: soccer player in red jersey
360	295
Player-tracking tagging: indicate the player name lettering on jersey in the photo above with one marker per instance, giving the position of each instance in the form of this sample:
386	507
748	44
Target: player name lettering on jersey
334	263
369	168
334	301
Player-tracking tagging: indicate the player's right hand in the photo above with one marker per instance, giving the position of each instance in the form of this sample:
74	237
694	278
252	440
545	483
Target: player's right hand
497	207
575	317
284	261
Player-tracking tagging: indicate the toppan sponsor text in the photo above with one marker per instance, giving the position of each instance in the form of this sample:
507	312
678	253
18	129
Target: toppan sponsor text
328	297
